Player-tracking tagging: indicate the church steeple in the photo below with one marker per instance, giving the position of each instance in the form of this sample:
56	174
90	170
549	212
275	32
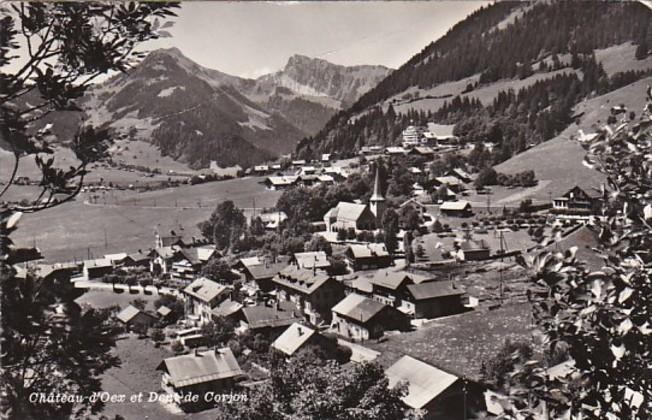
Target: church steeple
377	201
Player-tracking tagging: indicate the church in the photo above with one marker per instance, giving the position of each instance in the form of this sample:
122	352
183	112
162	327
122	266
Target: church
356	216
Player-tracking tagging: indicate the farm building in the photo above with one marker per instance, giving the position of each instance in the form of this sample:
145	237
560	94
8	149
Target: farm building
358	317
198	373
460	208
435	393
296	337
368	256
432	299
135	318
96	269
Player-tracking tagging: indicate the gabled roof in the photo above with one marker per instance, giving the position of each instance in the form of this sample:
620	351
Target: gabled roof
433	289
302	280
455	205
247	262
347	211
461	173
164	311
171	240
204	289
293	338
448	180
116	257
392	279
128	313
358	307
167	252
191	369
368	250
265	271
226	308
138	257
425	382
315	259
282	180
261	316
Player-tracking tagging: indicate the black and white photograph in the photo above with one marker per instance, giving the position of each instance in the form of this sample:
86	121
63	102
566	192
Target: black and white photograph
326	210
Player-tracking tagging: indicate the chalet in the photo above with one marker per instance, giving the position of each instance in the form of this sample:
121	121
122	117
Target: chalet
307	170
423	151
368	256
269	319
474	249
198	373
261	169
135	318
358	317
137	259
313	293
390	286
325	179
308	180
96	269
460	208
435	393
190	261
277	183
415	204
395	151
202	295
326	157
460	174
226	309
161	259
311	260
116	259
442	134
295	338
576	204
413	136
168	240
262	273
432	299
452	182
273	220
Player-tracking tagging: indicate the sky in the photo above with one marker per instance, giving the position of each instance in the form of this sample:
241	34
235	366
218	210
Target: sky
249	39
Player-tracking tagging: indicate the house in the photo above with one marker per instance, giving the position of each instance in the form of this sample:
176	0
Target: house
190	261
474	249
23	255
96	269
452	182
161	259
413	135
137	259
325	179
460	174
226	309
263	273
199	373
442	134
276	183
395	151
296	337
416	205
459	208
576	204
368	256
358	317
269	319
261	169
311	260
326	157
423	151
432	299
389	286
314	293
273	220
135	318
202	295
299	162
168	240
166	314
116	259
435	393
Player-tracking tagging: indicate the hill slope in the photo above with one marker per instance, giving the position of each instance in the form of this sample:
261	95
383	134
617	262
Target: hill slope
550	54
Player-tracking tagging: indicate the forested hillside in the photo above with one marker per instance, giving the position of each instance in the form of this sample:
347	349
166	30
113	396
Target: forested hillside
547	48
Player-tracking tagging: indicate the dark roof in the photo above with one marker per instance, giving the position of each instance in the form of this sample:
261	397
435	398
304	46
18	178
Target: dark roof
358	307
433	289
301	280
138	257
171	240
261	316
392	278
20	255
265	271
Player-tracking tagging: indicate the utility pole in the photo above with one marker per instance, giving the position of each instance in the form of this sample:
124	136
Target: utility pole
106	241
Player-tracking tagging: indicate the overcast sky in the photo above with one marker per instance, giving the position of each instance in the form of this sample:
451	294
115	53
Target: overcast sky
251	39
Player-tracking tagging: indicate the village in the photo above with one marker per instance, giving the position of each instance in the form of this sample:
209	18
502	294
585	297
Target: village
358	291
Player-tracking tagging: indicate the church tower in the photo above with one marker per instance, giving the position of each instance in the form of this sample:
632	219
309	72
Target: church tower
377	201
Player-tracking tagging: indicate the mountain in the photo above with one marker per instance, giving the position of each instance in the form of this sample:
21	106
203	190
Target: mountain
197	115
510	73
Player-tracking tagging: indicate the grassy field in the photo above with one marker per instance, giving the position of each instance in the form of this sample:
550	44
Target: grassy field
460	343
104	299
127	221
